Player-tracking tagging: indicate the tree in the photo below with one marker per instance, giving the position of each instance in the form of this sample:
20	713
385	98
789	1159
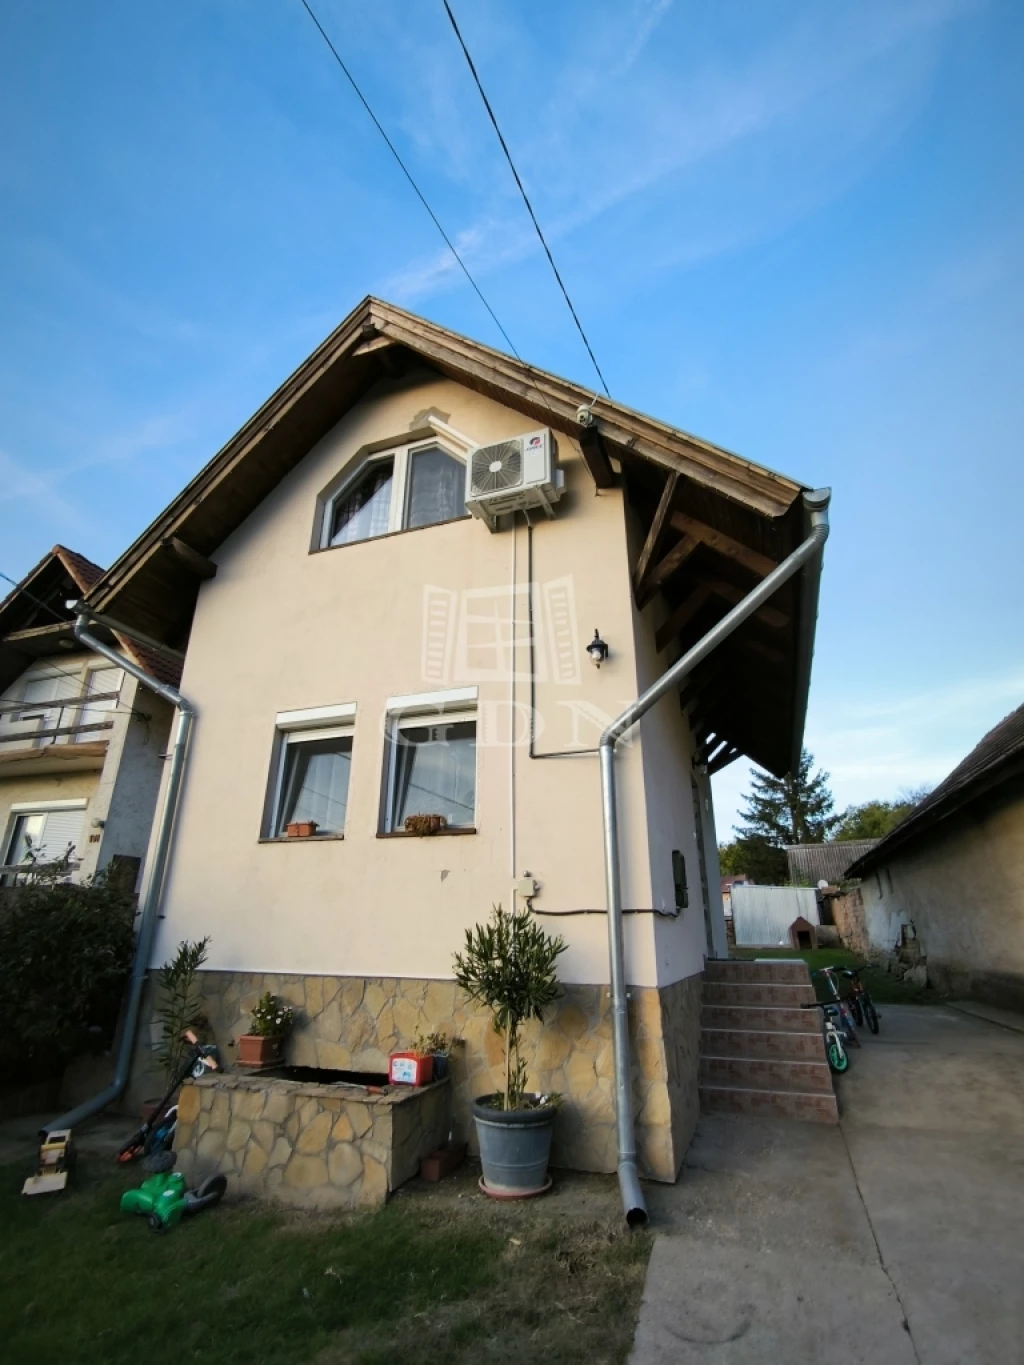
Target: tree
874	819
754	858
509	966
795	809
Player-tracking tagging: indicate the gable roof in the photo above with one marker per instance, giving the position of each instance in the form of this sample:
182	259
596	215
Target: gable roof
994	760
730	520
35	623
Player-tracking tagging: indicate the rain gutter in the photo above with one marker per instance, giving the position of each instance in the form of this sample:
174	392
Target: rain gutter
807	556
155	880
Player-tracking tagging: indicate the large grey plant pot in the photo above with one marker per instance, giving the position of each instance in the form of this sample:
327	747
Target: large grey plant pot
514	1148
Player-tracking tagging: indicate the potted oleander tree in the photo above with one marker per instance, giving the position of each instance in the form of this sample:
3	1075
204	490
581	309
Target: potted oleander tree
508	965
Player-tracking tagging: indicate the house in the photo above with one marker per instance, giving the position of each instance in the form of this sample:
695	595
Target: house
362	647
80	749
950	877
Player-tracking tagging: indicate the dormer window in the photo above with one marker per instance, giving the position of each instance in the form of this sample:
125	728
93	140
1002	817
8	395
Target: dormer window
402	489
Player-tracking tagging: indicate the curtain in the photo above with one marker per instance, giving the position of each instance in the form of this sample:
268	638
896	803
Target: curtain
437	488
315	785
435	773
363	513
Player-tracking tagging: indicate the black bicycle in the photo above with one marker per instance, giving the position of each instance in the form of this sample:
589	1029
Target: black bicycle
860	1001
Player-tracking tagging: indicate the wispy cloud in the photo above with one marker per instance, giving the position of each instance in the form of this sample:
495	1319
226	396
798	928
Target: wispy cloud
806	112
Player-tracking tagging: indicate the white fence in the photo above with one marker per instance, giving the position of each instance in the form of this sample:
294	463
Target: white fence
761	915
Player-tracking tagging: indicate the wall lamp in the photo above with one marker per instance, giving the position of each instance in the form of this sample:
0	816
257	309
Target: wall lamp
597	649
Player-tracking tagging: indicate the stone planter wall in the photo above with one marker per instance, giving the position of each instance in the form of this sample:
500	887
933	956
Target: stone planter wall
326	1146
353	1023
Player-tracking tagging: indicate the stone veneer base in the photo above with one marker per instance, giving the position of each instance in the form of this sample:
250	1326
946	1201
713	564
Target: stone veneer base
353	1023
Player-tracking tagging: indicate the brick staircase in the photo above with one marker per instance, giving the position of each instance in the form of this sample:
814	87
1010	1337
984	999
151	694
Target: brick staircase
761	1054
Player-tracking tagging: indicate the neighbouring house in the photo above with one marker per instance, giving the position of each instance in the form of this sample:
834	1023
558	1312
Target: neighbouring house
81	744
363	646
812	864
949	879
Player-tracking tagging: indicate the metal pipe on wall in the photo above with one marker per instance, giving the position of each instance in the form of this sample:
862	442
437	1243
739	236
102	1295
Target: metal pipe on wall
155	876
809	551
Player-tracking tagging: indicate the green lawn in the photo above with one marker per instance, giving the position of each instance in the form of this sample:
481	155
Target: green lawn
243	1283
882	986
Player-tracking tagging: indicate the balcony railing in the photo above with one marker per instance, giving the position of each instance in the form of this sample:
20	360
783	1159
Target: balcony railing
34	725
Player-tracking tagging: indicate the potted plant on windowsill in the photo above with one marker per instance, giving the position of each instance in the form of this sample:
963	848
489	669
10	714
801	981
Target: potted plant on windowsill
425	824
508	965
272	1021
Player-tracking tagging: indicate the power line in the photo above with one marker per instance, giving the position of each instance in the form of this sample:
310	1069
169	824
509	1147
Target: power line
526	200
408	175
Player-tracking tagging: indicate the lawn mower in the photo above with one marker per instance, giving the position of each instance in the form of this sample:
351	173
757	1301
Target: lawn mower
157	1132
164	1200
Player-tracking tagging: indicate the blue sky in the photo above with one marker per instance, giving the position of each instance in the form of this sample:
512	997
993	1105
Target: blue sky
791	228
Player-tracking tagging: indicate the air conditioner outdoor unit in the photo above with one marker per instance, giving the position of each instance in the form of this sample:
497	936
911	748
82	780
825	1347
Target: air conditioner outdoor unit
513	476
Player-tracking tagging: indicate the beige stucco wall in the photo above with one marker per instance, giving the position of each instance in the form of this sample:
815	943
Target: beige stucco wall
963	891
280	628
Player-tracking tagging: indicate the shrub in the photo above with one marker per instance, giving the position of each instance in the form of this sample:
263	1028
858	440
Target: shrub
179	1006
65	955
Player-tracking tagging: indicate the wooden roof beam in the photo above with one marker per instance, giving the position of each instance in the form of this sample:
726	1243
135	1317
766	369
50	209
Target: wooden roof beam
681	617
663	571
722	544
191	559
656	532
722	760
596	457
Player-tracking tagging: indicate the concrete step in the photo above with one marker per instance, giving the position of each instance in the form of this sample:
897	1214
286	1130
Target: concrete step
756	993
777	973
764	1073
811	1107
748	1017
781	1044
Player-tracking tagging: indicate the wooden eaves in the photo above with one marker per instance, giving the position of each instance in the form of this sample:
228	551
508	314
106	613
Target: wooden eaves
709	523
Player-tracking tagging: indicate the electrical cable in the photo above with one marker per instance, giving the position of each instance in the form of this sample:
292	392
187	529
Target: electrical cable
408	175
75	677
526	199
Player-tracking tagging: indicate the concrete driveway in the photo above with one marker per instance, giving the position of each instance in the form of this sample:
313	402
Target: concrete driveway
896	1238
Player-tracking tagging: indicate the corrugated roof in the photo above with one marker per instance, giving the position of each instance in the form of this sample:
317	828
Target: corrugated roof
999	756
825	862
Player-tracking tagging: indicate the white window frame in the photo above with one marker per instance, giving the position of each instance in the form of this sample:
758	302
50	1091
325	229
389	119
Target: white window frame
421	709
19	808
305	726
445	438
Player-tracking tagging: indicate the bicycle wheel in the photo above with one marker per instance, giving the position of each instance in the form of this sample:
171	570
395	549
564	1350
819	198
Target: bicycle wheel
837	1058
871	1014
858	1013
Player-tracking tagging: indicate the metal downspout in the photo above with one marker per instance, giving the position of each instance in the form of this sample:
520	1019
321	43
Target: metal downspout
807	553
155	882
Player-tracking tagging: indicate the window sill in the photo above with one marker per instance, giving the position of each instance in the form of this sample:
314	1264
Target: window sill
438	833
304	839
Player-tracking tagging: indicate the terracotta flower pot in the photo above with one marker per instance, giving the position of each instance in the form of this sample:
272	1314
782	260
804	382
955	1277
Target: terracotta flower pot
254	1050
301	829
